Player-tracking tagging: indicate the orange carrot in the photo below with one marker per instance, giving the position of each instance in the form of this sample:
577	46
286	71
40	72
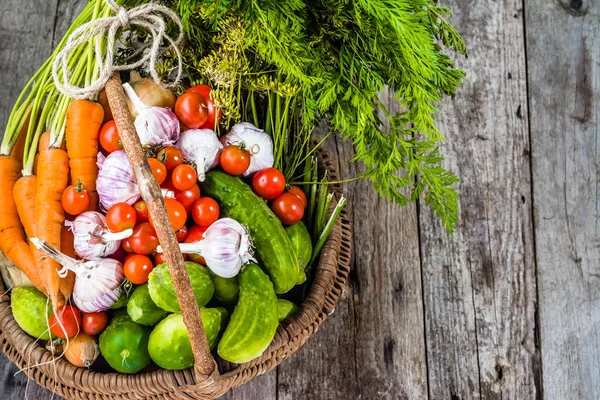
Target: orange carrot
52	179
67	246
84	120
12	241
19	147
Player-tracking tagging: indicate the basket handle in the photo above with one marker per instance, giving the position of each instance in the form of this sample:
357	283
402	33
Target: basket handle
151	193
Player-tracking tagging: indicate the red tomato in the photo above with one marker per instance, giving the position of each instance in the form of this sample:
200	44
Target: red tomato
144	239
288	207
296	191
66	322
126	245
171	157
168	184
94	323
159	258
268	183
195	233
191	109
120	254
141	211
235	160
188	197
176	212
137	268
158	170
214	113
75	199
184	177
121	216
182	233
109	137
205	211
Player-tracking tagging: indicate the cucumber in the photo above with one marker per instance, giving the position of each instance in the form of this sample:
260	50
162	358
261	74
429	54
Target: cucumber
254	319
302	245
31	310
162	291
273	248
227	290
124	344
285	308
141	308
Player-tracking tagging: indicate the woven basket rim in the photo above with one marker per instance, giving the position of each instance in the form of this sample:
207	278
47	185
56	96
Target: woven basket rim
71	382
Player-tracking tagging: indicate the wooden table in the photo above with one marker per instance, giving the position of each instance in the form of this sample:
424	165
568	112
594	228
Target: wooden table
507	307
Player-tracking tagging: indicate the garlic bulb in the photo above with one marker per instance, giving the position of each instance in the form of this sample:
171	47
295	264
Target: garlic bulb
202	147
154	125
116	182
256	141
92	239
98	283
225	246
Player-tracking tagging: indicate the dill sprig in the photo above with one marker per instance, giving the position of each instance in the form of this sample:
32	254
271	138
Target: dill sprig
340	54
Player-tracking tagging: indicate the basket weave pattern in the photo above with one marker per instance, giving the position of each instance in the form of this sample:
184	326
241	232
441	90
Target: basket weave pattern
78	383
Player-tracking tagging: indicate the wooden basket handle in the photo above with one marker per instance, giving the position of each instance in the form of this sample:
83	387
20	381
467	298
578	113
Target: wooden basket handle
151	193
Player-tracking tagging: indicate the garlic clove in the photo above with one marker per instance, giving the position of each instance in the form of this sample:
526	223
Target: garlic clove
202	147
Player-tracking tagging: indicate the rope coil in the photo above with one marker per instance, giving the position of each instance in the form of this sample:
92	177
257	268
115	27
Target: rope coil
149	16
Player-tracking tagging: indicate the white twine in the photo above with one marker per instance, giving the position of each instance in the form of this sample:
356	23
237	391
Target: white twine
150	16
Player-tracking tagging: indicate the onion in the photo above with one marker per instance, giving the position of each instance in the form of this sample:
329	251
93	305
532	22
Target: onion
92	239
149	93
98	282
256	141
202	147
225	246
82	350
154	125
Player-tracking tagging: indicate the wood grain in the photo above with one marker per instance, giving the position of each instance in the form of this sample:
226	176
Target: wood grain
479	284
563	56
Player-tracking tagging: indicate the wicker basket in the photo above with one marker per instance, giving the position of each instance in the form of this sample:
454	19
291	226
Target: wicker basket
71	382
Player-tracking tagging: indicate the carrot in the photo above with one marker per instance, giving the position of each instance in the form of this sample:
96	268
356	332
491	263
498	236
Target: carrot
67	246
84	120
12	241
53	177
19	148
24	196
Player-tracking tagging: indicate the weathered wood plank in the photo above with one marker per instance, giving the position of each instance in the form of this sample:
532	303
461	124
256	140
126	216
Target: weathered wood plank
263	387
373	345
479	284
563	57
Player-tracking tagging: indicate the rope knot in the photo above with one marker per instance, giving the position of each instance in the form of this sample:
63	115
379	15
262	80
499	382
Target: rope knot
149	16
123	16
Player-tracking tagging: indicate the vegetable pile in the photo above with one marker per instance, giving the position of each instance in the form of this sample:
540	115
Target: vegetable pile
101	264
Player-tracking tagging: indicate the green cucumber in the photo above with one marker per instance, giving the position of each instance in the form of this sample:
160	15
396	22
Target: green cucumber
254	319
124	344
162	291
302	245
141	308
227	290
273	247
285	308
31	310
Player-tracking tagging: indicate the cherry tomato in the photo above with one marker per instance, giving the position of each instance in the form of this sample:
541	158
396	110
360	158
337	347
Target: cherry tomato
137	268
109	137
171	157
120	254
214	113
121	216
126	245
75	199
182	233
144	239
195	233
159	258
268	183
184	177
66	322
205	211
158	170
191	109
94	323
188	197
288	207
176	212
235	160
168	184
141	211
296	191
